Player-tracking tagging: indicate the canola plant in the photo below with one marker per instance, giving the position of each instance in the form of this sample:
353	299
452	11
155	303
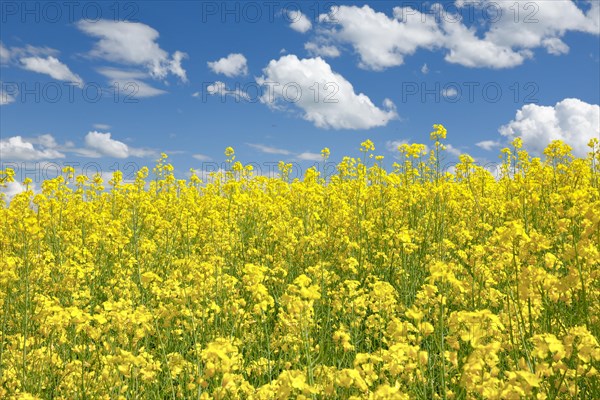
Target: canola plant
412	283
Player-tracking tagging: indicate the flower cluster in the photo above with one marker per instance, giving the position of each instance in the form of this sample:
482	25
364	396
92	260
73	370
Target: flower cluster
411	283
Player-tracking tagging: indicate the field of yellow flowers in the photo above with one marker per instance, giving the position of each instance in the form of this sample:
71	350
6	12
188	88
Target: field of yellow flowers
412	283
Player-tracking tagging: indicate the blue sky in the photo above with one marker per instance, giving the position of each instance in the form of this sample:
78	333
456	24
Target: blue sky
393	68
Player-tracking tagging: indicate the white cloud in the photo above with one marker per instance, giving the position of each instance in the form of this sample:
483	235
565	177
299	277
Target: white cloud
573	121
4	54
102	127
495	169
5	98
555	46
45	140
381	41
453	150
17	148
14	188
45	147
208	172
268	149
51	66
488	144
466	49
133	44
175	65
545	20
501	42
299	22
43	60
219	88
508	43
13	54
392	145
202	157
337	105
308	156
100	144
389	104
130	83
103	144
425	69
141	153
322	50
449	92
304	156
234	64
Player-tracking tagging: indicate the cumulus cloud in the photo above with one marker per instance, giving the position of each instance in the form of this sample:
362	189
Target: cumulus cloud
100	144
467	49
383	41
51	66
103	144
175	65
323	50
299	22
290	80
45	140
133	44
14	188
488	144
17	148
555	46
45	147
233	65
508	43
571	120
544	25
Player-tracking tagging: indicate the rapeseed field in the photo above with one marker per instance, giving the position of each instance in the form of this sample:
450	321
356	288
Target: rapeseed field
408	283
